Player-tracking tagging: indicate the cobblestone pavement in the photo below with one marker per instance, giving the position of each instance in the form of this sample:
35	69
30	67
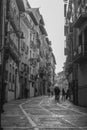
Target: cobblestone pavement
43	113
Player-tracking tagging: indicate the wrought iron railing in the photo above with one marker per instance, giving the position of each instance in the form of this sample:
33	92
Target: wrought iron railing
82	9
80	50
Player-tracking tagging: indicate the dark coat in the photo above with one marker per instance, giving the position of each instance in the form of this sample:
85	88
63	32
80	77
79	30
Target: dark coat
56	90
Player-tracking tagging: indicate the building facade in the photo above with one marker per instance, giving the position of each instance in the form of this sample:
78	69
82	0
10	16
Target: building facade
26	72
11	51
76	14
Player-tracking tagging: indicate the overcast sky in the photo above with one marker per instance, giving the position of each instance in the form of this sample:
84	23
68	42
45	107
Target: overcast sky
53	14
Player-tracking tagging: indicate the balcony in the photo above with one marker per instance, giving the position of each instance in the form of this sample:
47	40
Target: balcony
69	67
65	30
70	28
13	17
69	63
80	53
33	61
32	78
65	51
81	17
12	50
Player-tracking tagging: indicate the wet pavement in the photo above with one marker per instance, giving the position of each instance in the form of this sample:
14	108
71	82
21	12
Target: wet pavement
43	113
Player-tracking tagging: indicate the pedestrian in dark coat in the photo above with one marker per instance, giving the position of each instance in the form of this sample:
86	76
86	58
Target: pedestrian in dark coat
57	93
63	94
68	94
48	91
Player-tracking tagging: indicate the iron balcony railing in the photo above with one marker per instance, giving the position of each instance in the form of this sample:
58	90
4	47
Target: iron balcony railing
80	16
80	53
12	49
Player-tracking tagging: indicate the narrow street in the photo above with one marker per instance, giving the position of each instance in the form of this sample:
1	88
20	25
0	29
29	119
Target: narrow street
43	113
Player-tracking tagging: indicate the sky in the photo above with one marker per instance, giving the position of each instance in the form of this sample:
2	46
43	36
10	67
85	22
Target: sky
53	15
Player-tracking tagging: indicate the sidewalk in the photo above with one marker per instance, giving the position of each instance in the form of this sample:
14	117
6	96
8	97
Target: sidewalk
69	105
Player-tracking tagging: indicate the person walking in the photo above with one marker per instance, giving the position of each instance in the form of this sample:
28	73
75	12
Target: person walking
48	91
68	94
57	93
63	94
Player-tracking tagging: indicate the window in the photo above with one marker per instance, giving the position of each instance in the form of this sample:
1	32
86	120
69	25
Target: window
12	87
9	77
13	79
27	50
80	39
6	75
85	36
13	69
30	53
10	67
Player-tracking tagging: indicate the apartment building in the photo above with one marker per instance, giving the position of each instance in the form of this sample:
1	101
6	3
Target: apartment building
27	52
11	62
76	14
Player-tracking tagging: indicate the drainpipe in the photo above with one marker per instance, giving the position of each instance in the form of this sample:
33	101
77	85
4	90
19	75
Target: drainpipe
3	10
2	37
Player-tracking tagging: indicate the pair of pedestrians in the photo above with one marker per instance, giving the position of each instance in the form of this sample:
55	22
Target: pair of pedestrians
57	93
65	95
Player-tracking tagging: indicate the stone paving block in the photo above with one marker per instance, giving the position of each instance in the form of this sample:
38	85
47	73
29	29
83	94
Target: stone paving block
50	122
15	121
18	129
28	106
59	129
37	112
52	107
64	112
15	111
80	121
